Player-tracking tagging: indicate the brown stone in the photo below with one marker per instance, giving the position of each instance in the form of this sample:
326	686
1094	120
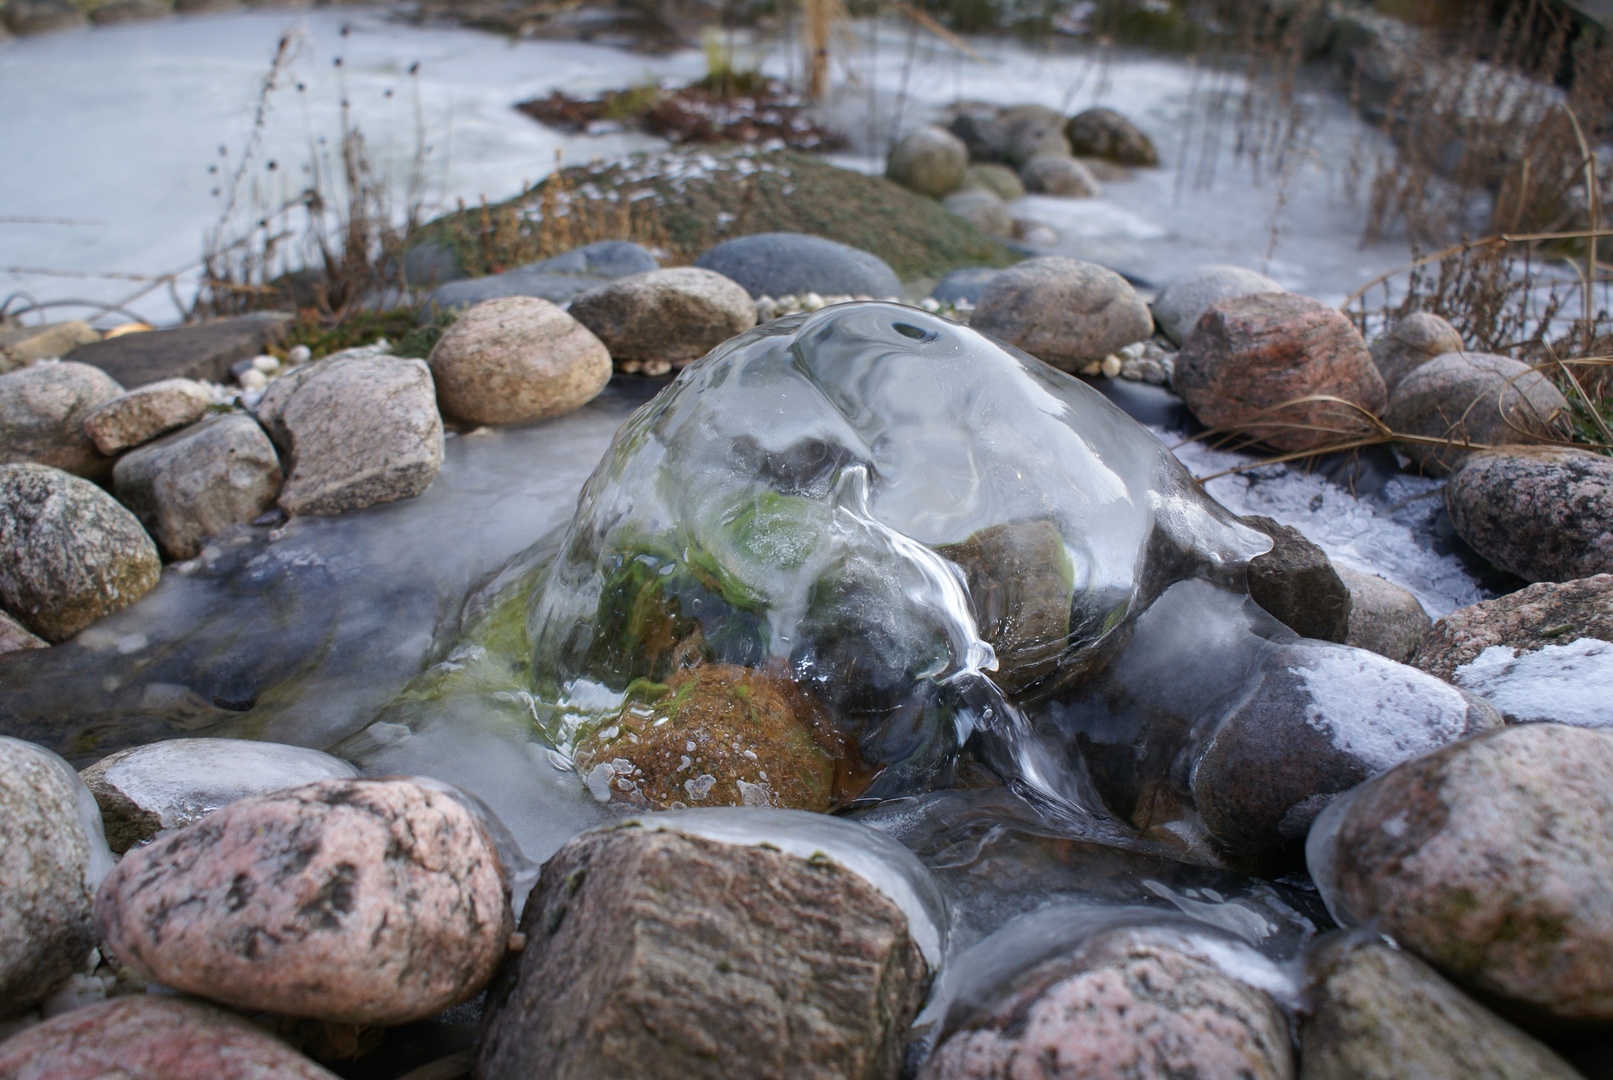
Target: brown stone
1492	859
1295	581
1412	342
1384	618
1471	398
713	735
1252	355
1062	311
142	414
675	315
151	1038
1547	613
1127	1003
358	901
661	956
1049	175
1543	513
517	359
1104	133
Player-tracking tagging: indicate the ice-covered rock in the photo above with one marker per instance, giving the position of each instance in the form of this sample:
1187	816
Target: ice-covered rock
930	161
1564	684
1466	397
1384	618
51	863
146	412
1492	859
170	784
1295	582
1062	311
1380	1013
152	1038
42	414
964	285
1543	513
357	901
1545	613
1410	343
662	952
517	359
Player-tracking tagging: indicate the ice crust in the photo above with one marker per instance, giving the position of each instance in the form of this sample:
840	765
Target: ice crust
1562	684
182	779
1363	702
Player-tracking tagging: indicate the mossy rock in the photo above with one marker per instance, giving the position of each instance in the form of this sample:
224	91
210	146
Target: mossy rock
687	201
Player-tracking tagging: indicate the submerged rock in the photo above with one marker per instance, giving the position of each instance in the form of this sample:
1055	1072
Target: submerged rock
152	1038
1545	514
930	161
1384	618
1061	311
357	901
355	429
1492	859
146	412
515	360
1382	1014
69	554
672	316
42	414
168	785
662	954
1468	398
50	864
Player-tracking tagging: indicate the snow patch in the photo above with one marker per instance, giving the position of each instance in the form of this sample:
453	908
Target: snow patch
1565	684
1405	715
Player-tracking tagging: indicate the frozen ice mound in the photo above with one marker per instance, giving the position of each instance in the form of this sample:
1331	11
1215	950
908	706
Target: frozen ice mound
926	531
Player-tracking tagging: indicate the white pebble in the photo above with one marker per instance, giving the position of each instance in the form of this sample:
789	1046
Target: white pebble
266	364
299	354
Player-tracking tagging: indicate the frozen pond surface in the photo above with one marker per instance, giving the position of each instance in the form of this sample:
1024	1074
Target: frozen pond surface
148	107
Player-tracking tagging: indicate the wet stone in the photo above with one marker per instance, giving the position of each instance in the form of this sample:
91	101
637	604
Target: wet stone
69	554
1296	582
168	785
1062	311
145	413
42	414
1545	514
1492	859
965	285
51	861
515	360
1128	1002
146	1037
655	954
930	161
356	901
1382	1014
1471	398
1384	618
673	316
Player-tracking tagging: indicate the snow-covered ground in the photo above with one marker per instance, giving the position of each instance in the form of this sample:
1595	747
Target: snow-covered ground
117	138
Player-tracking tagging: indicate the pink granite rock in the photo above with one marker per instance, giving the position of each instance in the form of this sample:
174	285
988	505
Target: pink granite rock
151	1038
1125	1004
359	901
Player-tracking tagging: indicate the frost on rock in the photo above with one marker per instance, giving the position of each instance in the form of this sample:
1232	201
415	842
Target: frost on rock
1563	684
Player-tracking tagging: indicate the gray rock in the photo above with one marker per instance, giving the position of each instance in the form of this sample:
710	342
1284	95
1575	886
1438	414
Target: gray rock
431	264
1548	613
69	554
128	11
42	414
605	259
1323	719
22	345
930	161
1186	297
1033	131
144	413
354	429
1104	133
1411	343
654	954
1492	859
981	132
791	264
1380	1013
675	315
967	284
1000	180
40	16
1472	398
147	1037
1296	582
982	209
51	862
199	481
206	7
204	351
518	359
1129	1002
1543	513
14	636
557	280
1065	312
168	785
358	901
1048	175
1384	618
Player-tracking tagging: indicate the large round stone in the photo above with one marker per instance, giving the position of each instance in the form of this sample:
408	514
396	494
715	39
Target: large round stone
146	1037
1104	133
791	264
1051	175
356	901
69	554
1062	311
1251	360
930	161
1467	398
1384	618
674	316
1544	614
1410	343
1186	297
1295	581
42	414
1543	513
1492	859
50	863
982	209
1033	131
515	359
